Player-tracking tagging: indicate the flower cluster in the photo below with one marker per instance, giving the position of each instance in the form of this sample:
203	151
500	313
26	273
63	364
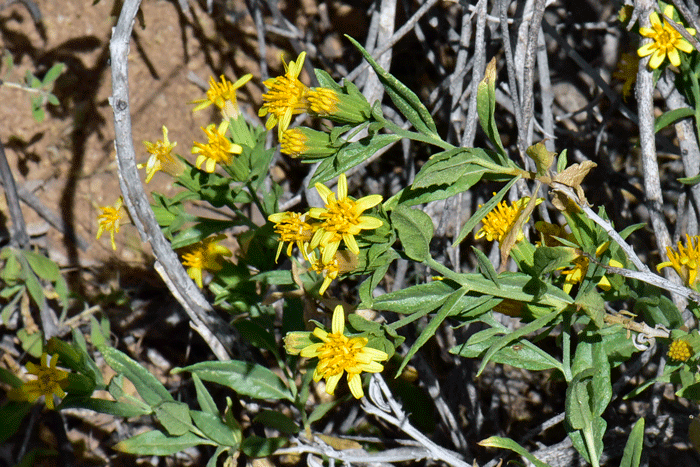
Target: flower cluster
339	221
337	354
667	41
288	96
680	350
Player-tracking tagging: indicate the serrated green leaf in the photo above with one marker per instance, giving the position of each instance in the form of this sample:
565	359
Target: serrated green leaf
415	230
147	385
482	211
507	443
245	378
174	416
156	443
216	430
548	259
403	98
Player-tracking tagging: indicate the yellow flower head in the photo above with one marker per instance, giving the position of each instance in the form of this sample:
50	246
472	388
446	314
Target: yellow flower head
341	263
293	142
219	93
205	255
323	101
110	219
667	41
550	233
685	260
338	353
49	381
580	268
293	228
161	159
218	150
626	72
286	96
341	219
498	222
680	350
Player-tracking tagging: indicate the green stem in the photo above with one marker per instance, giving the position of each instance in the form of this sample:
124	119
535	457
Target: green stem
417	136
590	445
443	270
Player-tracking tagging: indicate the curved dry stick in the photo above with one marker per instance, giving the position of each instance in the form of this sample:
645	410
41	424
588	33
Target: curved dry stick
213	329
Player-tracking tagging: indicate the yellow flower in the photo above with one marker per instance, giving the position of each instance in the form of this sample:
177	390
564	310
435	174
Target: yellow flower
161	159
341	263
293	142
205	255
307	143
685	261
220	93
218	149
680	351
323	101
286	96
667	41
551	233
626	72
293	228
338	353
500	221
341	219
576	274
50	381
109	220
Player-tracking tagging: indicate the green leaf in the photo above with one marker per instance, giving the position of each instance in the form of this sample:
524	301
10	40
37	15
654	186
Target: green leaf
447	167
690	180
148	387
117	409
216	430
671	117
520	354
53	73
486	105
403	98
278	421
411	197
547	259
534	326
156	443
12	413
322	409
350	155
174	416
431	328
33	343
507	443
415	230
245	378
635	443
578	403
256	446
482	211
485	266
206	402
42	266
